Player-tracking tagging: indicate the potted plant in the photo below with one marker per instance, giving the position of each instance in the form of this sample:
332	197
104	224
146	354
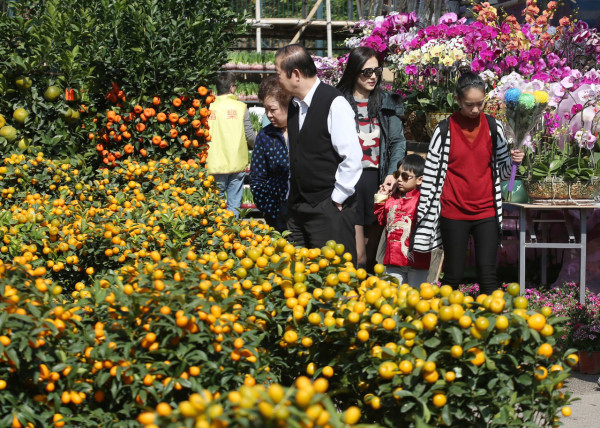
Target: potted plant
586	338
563	159
586	335
582	329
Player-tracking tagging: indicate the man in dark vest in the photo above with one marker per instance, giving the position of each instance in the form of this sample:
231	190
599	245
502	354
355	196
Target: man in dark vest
325	155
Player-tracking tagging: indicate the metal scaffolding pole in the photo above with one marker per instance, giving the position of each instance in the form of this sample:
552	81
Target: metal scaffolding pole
329	38
258	31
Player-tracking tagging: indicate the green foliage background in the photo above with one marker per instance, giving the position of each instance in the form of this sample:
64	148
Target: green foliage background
148	47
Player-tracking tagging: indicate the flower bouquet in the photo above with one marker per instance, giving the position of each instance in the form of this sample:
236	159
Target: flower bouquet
524	108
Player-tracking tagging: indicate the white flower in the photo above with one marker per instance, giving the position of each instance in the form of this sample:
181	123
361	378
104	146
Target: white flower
353	42
567	82
487	75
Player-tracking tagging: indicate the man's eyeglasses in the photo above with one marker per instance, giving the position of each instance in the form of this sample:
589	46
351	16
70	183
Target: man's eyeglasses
368	72
404	175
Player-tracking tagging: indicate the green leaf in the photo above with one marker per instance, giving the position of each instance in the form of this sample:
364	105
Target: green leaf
456	334
555	165
432	342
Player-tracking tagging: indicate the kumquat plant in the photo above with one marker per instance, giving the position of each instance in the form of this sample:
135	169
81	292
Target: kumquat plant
137	298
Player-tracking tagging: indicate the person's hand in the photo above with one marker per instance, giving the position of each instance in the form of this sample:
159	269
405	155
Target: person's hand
517	155
389	184
338	205
383	190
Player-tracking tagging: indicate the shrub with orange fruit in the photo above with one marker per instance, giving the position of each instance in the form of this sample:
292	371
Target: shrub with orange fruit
305	403
126	291
177	128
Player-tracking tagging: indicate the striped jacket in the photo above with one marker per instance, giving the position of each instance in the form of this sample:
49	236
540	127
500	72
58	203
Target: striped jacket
427	235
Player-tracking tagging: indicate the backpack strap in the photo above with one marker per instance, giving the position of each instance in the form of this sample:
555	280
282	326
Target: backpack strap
493	128
494	133
444	125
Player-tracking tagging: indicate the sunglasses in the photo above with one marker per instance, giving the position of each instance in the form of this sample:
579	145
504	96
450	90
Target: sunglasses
368	72
404	175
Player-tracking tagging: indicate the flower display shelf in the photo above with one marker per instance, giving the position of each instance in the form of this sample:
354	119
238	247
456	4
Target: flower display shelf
556	191
250	71
589	362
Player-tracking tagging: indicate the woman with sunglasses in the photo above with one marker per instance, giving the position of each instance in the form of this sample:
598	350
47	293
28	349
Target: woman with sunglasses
381	136
460	194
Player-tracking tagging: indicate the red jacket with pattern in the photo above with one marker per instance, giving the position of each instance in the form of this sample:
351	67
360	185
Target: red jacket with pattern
398	214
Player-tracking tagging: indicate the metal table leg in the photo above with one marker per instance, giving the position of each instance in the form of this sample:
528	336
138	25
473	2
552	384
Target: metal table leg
522	232
544	251
583	255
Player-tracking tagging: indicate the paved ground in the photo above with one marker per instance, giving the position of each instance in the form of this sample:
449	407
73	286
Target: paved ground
586	411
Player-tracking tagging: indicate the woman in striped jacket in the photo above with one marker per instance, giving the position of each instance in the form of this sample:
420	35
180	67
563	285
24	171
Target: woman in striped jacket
460	194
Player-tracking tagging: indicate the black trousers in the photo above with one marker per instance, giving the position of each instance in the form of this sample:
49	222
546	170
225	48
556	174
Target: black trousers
455	239
312	227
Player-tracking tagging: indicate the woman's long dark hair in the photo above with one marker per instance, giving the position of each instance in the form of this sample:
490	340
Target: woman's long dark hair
356	60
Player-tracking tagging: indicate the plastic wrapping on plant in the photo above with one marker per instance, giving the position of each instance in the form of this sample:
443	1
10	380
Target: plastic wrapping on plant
524	108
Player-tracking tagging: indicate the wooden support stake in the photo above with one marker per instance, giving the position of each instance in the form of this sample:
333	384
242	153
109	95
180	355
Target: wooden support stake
308	19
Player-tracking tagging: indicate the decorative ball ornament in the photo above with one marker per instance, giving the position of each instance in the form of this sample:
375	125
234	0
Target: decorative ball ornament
541	97
527	101
512	95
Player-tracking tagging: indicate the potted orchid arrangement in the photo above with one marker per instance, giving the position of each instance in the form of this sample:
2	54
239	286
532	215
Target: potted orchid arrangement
572	129
562	151
383	32
428	61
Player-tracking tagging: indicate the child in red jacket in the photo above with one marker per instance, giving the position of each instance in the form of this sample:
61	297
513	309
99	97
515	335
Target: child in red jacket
398	213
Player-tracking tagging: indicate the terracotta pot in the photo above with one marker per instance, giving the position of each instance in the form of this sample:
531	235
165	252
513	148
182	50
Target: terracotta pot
589	362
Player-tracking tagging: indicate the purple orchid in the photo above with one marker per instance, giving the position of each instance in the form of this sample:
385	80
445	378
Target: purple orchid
448	18
511	61
526	69
552	59
411	70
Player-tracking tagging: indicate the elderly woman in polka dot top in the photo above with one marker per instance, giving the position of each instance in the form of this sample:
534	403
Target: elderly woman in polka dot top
270	165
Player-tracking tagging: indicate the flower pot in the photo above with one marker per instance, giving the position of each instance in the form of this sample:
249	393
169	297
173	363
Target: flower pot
589	362
432	119
518	194
556	191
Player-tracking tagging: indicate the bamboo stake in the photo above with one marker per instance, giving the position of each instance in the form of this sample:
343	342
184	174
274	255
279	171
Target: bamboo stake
308	19
439	269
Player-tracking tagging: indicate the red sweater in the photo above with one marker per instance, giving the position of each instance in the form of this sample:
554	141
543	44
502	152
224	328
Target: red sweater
468	192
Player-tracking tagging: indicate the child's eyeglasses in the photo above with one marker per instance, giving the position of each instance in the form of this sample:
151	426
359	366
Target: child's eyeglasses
404	175
368	72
